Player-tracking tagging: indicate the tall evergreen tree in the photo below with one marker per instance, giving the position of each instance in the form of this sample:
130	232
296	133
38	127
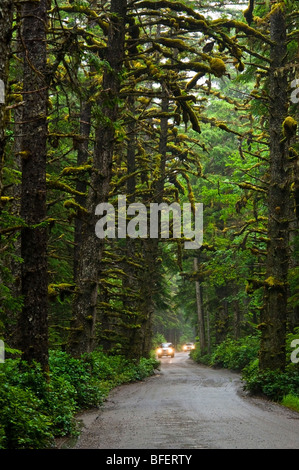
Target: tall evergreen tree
33	322
6	15
85	304
281	129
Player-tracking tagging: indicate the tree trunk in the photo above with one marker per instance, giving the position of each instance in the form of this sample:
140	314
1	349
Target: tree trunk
151	245
33	325
82	337
82	157
200	315
5	35
274	313
130	281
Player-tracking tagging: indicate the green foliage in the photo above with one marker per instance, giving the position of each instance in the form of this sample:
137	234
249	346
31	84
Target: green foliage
35	410
234	354
290	401
231	354
22	421
272	383
158	339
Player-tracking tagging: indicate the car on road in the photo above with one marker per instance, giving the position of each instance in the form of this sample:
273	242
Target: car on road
188	347
165	349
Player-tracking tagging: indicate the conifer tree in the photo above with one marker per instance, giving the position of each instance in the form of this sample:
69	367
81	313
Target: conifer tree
6	16
33	321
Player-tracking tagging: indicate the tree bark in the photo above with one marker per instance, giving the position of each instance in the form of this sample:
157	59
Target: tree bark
82	336
6	15
81	186
151	245
274	313
33	323
200	314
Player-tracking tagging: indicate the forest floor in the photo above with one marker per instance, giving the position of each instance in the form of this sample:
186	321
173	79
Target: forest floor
187	406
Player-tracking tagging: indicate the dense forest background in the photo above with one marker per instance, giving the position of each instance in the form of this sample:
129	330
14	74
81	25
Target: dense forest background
166	101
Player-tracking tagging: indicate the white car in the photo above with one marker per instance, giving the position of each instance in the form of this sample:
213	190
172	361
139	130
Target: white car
188	347
166	349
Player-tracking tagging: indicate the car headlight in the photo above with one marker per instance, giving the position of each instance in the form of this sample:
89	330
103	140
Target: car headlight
159	351
170	350
193	347
185	347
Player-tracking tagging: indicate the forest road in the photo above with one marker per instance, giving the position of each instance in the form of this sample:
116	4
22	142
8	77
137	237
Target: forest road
188	406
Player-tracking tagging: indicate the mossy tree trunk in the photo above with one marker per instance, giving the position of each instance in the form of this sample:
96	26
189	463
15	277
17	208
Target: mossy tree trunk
33	322
274	313
151	245
81	185
6	14
82	336
200	312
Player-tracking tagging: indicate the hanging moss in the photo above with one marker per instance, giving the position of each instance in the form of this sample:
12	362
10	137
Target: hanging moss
5	199
272	282
289	127
83	9
245	28
75	170
71	204
24	154
240	66
63	187
218	67
55	290
173	43
278	6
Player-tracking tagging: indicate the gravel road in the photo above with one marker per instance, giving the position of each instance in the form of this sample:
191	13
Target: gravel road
188	406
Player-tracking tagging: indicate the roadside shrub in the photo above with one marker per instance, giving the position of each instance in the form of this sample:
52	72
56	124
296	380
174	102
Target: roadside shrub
196	355
272	383
231	354
35	409
82	387
22	423
144	368
60	403
236	354
290	401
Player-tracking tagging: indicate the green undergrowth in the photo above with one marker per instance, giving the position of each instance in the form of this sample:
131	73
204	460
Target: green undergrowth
230	354
242	355
292	402
35	410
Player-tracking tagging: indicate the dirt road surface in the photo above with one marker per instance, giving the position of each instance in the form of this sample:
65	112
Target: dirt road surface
188	406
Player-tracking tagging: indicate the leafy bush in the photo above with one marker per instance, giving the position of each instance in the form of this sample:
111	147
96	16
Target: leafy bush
231	354
291	402
236	354
272	383
34	410
22	424
83	388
